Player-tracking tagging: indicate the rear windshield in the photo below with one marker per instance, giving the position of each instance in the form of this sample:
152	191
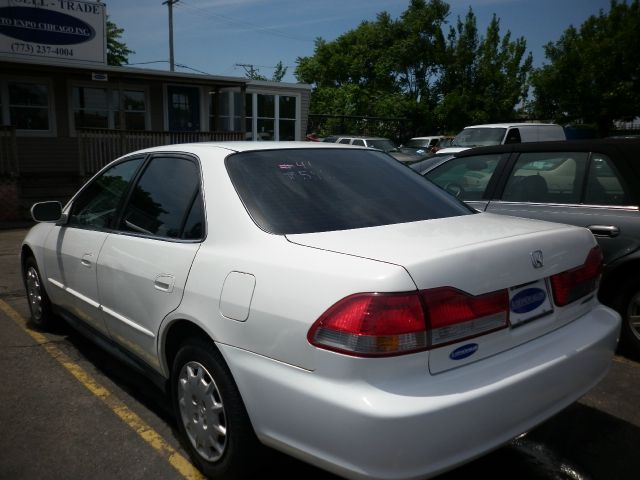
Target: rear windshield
317	190
479	137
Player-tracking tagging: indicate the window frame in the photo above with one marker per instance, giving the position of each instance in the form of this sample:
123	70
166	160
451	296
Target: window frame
110	88
5	106
276	119
119	217
122	204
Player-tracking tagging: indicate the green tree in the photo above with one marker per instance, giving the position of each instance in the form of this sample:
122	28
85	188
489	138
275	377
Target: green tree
406	68
593	74
484	79
383	68
117	51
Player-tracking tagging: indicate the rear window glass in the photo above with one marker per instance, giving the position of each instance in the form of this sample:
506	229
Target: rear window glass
317	190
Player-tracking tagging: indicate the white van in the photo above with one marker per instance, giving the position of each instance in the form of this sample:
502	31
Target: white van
501	133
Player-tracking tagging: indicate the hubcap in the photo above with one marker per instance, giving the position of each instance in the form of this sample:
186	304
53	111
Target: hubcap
201	411
34	293
633	315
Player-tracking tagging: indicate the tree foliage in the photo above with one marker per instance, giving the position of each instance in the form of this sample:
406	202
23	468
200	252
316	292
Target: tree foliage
407	67
593	74
117	51
485	78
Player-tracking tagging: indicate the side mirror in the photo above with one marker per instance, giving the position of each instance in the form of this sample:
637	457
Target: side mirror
46	211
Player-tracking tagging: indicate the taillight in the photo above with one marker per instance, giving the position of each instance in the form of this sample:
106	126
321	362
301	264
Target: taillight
372	324
453	315
576	283
385	324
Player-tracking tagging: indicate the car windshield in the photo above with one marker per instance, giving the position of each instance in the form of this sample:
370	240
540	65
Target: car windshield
477	137
382	144
417	143
316	190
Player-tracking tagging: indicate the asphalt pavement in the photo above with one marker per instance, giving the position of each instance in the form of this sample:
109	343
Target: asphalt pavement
70	411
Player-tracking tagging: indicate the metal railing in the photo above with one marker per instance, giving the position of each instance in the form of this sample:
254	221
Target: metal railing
8	151
97	147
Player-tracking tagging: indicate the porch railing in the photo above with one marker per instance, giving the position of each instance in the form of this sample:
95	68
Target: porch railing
97	147
8	151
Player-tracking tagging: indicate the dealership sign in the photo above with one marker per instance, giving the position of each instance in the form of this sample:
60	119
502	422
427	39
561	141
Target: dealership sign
60	30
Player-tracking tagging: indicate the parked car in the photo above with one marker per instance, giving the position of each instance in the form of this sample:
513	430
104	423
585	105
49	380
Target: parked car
504	133
588	183
379	143
282	297
420	145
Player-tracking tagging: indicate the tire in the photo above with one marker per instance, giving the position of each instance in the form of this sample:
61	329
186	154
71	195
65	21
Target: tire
211	416
39	304
627	303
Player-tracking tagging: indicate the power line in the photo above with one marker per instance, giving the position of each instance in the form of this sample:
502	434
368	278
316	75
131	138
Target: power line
255	27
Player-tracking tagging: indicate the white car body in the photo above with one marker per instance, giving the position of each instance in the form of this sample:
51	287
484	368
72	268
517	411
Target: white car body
525	132
256	295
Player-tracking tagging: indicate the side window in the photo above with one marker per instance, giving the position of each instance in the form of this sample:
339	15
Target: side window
604	185
97	204
358	142
466	178
344	140
548	177
161	199
194	226
513	136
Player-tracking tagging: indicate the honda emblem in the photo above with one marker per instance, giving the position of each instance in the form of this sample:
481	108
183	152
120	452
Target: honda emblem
536	259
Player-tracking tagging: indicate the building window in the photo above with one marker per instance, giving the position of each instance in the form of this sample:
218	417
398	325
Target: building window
229	106
266	117
109	108
134	110
90	107
28	105
287	118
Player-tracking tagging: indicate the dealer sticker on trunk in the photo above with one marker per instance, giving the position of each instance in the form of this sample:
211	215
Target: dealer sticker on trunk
528	302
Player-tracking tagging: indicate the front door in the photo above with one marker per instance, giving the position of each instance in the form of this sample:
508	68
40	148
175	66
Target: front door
184	108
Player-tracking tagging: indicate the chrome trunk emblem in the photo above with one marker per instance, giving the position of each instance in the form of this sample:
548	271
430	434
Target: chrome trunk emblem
536	259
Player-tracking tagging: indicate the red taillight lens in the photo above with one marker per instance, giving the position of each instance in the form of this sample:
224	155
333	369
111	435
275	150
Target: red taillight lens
454	315
372	324
573	284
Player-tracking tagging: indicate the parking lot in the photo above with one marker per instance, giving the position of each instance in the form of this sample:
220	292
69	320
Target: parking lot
69	411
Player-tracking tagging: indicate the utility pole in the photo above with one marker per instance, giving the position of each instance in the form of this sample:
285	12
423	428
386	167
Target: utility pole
169	3
249	69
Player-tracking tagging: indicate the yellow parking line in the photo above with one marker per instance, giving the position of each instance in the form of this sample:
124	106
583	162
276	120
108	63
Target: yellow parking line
148	434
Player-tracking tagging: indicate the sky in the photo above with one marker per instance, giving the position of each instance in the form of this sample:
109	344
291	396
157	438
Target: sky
213	36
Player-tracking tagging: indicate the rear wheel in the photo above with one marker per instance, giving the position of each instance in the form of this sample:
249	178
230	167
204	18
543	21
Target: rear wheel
628	304
210	413
39	303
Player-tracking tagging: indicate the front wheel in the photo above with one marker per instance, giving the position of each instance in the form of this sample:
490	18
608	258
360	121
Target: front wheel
210	413
39	304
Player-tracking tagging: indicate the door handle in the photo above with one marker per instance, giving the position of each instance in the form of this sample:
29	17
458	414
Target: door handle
604	230
87	260
164	282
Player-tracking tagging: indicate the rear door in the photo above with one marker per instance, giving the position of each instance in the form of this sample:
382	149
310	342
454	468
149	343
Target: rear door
580	188
143	267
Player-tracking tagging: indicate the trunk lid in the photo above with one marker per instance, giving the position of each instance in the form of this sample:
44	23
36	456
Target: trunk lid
477	254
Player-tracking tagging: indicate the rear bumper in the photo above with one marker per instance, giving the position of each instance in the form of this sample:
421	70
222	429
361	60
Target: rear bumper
358	419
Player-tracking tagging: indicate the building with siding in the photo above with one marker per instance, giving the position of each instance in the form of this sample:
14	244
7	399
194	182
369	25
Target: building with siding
61	121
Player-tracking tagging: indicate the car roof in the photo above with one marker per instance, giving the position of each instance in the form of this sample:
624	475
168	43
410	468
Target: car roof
204	147
364	137
507	125
559	145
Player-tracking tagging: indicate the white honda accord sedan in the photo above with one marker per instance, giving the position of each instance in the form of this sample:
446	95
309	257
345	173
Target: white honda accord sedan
325	301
